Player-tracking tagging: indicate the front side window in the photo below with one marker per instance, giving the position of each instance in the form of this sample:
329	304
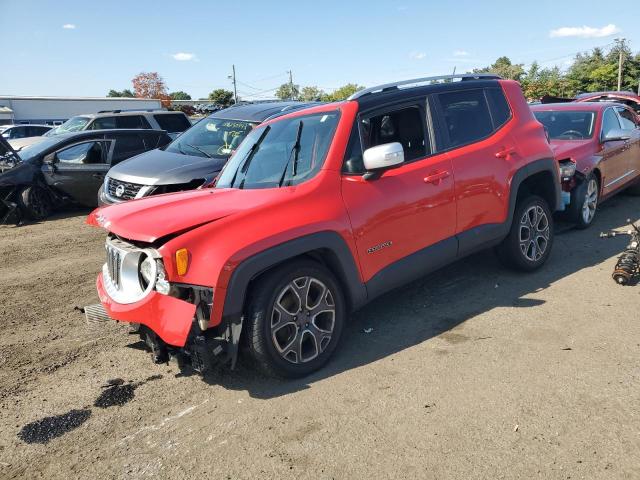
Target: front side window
74	124
211	137
609	122
82	154
404	126
466	116
567	124
286	152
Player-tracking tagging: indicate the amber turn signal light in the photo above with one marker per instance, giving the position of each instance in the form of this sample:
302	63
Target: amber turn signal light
182	261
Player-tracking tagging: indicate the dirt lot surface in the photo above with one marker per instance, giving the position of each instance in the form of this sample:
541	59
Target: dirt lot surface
473	373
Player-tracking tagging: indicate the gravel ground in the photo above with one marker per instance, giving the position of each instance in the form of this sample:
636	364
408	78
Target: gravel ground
472	373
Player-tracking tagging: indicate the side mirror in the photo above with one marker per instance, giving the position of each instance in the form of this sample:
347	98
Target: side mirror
616	135
382	157
50	159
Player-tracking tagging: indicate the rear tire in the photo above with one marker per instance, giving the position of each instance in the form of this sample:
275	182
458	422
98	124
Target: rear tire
530	238
584	202
35	202
294	320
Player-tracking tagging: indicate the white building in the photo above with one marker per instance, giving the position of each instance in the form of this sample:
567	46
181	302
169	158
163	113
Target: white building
55	110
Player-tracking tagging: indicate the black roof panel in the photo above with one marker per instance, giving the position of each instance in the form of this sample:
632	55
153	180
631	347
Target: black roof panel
260	111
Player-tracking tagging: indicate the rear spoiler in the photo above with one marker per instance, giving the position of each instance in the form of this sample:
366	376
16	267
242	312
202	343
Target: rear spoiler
552	99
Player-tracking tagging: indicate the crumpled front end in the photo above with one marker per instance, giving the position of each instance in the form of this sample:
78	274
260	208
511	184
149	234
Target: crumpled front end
172	318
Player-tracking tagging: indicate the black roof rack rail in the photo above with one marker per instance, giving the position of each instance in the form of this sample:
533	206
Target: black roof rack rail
427	80
134	110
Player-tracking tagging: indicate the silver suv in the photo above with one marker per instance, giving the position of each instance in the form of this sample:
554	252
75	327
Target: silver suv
173	123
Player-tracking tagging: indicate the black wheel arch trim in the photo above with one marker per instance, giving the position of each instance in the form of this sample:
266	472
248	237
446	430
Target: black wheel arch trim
543	165
340	261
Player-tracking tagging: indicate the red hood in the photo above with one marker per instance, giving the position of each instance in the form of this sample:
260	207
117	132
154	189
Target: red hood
151	218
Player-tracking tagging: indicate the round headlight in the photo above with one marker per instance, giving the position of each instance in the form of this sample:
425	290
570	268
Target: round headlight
147	271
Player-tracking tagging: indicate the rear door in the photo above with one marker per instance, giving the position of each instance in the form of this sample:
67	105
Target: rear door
78	169
483	154
615	169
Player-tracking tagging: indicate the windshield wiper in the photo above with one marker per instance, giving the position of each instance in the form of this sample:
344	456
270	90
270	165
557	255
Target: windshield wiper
295	151
198	149
246	161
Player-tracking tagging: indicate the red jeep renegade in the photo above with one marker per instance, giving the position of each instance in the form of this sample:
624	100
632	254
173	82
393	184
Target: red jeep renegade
324	209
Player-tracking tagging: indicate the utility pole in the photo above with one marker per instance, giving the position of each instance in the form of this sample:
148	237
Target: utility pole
620	43
290	84
232	77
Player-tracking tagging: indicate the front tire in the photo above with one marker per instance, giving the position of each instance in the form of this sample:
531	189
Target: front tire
295	319
584	202
35	202
530	238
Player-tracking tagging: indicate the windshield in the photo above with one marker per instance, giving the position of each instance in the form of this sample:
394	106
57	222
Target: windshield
74	124
567	124
31	151
286	152
211	137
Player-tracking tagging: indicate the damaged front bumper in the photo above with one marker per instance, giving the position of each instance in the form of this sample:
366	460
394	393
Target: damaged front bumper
171	326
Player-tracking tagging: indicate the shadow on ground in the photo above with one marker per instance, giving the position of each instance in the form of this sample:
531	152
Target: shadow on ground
424	309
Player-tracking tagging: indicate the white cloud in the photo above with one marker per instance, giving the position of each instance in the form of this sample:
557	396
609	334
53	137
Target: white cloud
417	55
460	53
585	32
184	57
69	26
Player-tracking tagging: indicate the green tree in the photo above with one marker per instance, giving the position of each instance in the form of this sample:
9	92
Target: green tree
311	94
342	93
126	93
180	95
504	68
286	92
220	96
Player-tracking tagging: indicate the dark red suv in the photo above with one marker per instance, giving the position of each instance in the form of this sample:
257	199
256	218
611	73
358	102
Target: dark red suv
324	209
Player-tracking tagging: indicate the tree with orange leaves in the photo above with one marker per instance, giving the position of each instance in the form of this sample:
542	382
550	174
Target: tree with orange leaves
151	85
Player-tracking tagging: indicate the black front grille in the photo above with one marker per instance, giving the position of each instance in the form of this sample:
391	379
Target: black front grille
122	190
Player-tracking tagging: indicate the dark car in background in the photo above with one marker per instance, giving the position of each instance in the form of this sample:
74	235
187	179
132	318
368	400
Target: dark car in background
194	158
597	145
13	132
67	169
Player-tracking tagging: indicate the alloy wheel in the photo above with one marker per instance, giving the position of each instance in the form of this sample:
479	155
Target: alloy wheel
534	233
302	319
590	202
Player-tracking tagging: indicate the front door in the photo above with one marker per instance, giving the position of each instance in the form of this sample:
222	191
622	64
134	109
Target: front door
78	170
614	163
630	125
408	208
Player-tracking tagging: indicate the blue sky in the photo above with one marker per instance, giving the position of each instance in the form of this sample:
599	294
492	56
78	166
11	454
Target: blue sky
85	48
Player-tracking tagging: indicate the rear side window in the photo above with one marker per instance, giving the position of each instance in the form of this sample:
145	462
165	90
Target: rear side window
132	121
126	146
626	118
498	106
466	116
173	122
